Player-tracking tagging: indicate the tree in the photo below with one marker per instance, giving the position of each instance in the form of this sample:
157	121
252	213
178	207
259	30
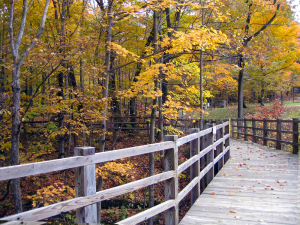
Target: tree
18	59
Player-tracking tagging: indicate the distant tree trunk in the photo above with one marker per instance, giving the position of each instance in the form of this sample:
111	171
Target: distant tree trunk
241	62
60	116
132	102
262	98
115	102
106	74
152	119
241	59
105	91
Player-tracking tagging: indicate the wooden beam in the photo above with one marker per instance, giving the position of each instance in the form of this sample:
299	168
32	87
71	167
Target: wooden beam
12	172
65	206
140	217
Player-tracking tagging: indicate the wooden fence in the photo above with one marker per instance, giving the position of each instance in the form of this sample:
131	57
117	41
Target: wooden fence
264	130
209	150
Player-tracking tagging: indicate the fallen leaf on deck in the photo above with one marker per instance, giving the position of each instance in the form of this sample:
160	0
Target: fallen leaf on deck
213	193
233	211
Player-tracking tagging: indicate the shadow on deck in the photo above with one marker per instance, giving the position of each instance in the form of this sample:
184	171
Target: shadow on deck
258	185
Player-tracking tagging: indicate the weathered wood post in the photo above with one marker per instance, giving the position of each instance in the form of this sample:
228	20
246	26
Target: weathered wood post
254	130
227	143
278	131
220	147
295	135
209	140
239	127
195	168
246	129
85	184
265	132
232	127
171	185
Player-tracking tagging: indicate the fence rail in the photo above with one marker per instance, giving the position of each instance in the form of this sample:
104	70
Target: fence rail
263	130
207	156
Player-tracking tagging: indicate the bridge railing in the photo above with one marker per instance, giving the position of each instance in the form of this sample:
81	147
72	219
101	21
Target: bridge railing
209	150
264	130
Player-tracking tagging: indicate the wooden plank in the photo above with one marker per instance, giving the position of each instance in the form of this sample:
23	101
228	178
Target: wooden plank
142	216
206	169
57	208
12	172
190	161
188	188
219	126
191	137
187	139
217	159
23	223
261	184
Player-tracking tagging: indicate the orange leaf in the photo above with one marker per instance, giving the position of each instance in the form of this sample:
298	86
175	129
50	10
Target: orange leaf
233	211
213	193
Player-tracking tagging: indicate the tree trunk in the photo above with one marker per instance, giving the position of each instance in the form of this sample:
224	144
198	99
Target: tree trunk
152	120
16	126
241	87
105	95
18	60
262	98
106	74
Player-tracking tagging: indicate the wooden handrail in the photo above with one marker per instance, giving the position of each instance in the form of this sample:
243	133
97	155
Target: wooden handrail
170	176
242	129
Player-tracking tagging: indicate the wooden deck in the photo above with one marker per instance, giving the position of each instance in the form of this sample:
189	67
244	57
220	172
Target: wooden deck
258	185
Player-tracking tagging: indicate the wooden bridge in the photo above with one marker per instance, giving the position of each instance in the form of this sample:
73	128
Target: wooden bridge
256	186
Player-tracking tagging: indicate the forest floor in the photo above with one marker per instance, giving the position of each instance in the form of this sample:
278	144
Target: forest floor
291	110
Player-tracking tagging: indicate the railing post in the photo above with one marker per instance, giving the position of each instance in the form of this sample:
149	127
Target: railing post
171	185
295	135
232	128
210	156
227	143
220	147
265	132
195	168
246	129
239	127
254	130
278	131
85	184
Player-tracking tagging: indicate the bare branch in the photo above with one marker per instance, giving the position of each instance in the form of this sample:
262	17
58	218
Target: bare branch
38	34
